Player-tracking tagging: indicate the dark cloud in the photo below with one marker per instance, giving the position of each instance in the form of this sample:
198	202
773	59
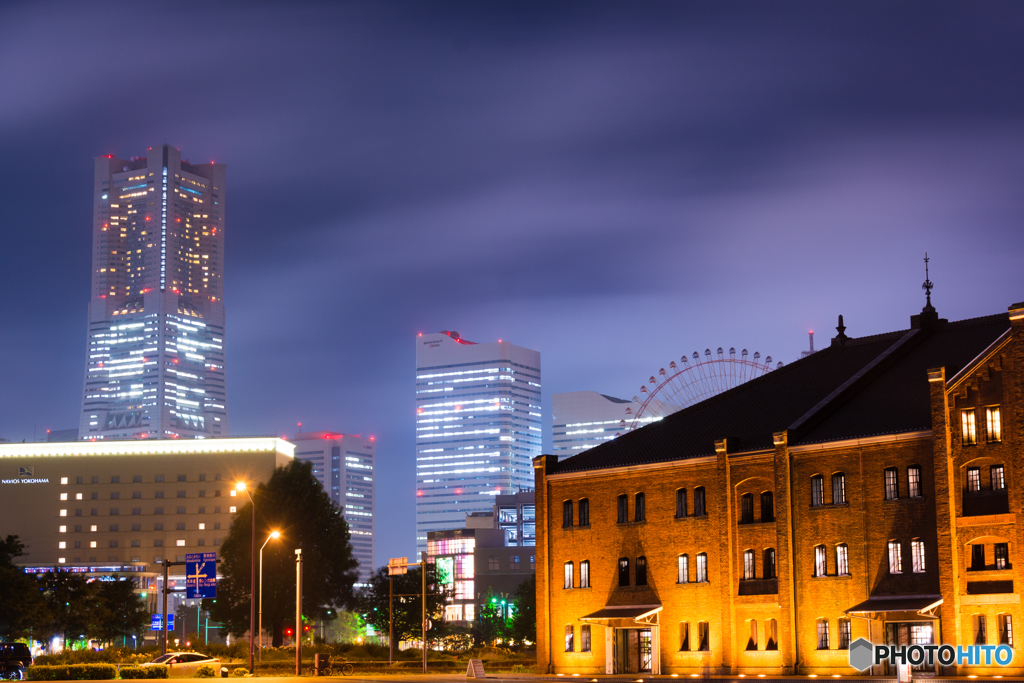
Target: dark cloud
614	184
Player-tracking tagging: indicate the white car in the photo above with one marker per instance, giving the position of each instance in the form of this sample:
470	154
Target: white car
185	664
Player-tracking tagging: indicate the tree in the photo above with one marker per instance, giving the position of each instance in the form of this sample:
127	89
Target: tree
294	503
524	613
70	604
120	612
21	603
373	602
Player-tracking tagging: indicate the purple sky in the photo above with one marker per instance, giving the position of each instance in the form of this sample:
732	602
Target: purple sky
614	185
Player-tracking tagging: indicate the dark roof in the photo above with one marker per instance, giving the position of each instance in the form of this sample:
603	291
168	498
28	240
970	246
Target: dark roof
867	386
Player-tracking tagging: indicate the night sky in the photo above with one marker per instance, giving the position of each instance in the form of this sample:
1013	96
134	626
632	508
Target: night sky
614	185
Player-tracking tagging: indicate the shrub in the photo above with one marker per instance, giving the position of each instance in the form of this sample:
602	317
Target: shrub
206	671
73	672
239	672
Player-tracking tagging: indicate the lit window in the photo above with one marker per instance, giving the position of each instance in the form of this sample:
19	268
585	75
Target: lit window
993	424
968	428
917	556
842	560
895	558
914	481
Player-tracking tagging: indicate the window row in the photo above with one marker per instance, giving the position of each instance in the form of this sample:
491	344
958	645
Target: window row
116	495
116	512
996	478
969	426
896	557
584	575
136	479
1003	621
570	638
747	508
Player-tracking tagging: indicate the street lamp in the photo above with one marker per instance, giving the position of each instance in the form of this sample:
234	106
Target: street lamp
240	486
273	534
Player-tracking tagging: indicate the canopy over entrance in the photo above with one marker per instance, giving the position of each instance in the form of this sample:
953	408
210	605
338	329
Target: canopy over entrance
882	606
638	614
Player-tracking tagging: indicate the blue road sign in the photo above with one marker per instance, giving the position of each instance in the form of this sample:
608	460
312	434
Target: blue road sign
200	575
157	622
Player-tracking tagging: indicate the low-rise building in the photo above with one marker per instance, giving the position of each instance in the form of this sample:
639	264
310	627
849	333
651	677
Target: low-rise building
867	490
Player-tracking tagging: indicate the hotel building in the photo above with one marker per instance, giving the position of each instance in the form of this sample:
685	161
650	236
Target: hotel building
344	466
95	507
478	426
868	490
155	349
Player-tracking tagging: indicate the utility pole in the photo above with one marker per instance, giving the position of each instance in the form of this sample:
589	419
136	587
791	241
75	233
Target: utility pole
298	612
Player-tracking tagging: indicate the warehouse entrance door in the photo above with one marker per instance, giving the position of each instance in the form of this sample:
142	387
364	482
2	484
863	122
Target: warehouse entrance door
632	650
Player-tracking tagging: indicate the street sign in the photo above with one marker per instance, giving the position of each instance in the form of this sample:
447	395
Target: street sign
398	565
200	575
157	622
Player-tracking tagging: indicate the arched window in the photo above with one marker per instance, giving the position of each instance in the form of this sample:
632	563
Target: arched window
747	508
748	564
566	514
641	571
680	502
838	488
584	512
817	490
767	507
699	503
623	571
639	511
768	563
683	569
623	510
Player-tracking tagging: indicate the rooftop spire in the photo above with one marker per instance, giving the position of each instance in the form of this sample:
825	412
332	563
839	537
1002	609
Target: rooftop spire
927	286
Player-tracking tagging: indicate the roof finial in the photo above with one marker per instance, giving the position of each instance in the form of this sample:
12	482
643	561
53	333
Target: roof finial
927	286
841	329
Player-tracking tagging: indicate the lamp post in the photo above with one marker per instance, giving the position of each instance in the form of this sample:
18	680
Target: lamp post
252	578
273	534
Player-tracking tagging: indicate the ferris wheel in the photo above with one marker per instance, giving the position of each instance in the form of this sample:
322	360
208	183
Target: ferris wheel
686	383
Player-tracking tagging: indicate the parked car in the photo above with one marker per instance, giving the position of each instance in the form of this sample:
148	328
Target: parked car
14	659
185	664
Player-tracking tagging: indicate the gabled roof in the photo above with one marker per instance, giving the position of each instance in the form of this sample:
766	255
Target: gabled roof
867	386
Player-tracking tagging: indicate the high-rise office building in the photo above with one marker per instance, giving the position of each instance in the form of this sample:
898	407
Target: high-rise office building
155	354
478	427
344	466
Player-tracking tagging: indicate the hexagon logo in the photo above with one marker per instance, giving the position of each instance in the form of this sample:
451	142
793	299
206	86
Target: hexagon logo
861	654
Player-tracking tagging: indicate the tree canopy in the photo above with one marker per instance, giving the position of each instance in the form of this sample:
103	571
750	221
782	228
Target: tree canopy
293	503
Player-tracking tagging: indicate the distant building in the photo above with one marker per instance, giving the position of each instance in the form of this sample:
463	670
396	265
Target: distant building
155	348
344	465
491	556
478	426
584	419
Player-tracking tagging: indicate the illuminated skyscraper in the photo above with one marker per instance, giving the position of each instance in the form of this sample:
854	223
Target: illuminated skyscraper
478	427
344	464
155	354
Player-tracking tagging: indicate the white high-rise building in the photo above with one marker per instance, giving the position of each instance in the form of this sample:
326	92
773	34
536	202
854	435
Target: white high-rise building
155	354
478	427
344	466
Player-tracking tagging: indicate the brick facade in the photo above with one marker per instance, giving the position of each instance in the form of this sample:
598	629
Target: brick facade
745	616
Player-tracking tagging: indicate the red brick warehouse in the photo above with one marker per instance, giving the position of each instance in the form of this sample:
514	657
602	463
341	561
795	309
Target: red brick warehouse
867	490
